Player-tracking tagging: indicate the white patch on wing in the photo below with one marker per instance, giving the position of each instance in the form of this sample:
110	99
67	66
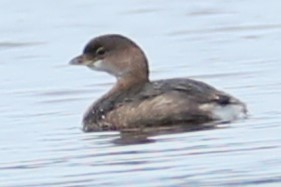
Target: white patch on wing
229	112
225	112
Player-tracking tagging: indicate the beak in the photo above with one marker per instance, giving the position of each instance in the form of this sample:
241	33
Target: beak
77	60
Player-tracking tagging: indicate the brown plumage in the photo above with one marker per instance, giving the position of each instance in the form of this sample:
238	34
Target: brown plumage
137	102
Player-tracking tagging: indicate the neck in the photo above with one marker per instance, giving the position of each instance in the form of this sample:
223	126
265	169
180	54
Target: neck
135	76
131	80
128	82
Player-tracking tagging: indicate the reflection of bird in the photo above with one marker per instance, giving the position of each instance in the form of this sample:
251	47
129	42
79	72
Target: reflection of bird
135	101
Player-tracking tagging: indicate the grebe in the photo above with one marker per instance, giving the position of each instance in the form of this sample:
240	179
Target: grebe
135	101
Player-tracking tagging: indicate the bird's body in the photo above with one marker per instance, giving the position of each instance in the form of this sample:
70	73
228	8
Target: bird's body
135	101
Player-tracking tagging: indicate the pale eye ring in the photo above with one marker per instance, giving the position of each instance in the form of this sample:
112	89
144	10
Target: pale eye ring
100	51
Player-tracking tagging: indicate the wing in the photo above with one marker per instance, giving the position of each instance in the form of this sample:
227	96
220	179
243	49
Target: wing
167	102
160	103
191	89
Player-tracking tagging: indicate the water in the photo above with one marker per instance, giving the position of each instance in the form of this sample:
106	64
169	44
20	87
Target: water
233	45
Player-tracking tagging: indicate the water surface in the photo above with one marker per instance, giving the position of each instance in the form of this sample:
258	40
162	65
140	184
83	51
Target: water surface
233	45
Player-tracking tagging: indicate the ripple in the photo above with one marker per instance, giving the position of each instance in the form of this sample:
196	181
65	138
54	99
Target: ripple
241	28
8	44
234	45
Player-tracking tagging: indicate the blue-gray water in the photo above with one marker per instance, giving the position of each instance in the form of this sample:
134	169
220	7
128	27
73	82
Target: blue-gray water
233	45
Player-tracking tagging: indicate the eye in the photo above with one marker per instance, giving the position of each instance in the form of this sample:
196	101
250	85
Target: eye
100	51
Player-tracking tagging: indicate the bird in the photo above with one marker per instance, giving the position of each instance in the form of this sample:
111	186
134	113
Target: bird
137	102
